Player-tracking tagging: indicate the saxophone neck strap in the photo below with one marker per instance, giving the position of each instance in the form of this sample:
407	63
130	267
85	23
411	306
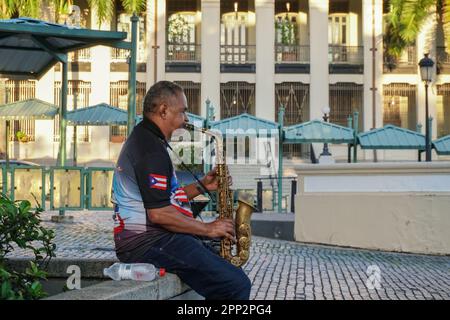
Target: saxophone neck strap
200	185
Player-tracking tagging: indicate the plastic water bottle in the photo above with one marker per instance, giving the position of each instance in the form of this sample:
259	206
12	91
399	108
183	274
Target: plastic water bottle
133	271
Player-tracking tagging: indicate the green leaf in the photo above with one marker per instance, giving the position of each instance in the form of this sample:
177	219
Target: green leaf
5	289
104	9
24	206
8	9
133	6
36	286
446	23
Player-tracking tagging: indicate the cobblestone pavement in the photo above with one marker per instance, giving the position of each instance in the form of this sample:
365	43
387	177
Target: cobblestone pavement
288	270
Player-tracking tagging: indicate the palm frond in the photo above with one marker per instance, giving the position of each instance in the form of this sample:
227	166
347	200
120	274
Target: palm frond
103	8
446	23
7	8
29	8
394	16
61	7
134	6
414	14
393	43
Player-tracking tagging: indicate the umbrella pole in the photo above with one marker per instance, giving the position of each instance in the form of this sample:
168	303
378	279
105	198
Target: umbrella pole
62	120
132	76
75	139
280	159
7	143
5	173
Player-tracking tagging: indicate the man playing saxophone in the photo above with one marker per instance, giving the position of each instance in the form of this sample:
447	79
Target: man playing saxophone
153	220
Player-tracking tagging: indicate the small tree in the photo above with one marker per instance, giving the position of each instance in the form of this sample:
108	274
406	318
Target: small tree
177	29
287	30
288	37
20	226
21	136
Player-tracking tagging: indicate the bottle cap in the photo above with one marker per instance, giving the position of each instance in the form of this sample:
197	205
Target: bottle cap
162	272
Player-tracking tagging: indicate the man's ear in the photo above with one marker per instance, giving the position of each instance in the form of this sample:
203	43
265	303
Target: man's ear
163	110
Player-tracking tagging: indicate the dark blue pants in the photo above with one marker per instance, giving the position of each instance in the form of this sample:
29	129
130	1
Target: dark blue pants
199	267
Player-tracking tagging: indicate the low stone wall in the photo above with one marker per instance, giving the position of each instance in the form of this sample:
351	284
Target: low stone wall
95	286
385	206
163	288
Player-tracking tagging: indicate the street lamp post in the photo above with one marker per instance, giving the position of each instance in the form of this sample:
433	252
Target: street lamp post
426	70
326	113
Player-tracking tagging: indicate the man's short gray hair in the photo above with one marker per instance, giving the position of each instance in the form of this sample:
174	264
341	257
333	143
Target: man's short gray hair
159	93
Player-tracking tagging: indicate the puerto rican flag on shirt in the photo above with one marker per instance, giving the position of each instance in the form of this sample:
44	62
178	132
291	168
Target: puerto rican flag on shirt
178	197
157	181
180	201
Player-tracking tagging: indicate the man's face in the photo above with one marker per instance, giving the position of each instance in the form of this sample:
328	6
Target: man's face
176	113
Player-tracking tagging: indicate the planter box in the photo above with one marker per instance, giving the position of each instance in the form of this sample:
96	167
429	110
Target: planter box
181	55
289	56
117	139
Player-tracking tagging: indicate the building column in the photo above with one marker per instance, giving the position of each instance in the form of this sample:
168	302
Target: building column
150	43
265	58
210	56
426	43
161	64
43	143
319	88
100	84
156	41
373	64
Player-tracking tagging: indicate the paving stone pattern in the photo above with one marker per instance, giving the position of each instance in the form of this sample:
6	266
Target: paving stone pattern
288	270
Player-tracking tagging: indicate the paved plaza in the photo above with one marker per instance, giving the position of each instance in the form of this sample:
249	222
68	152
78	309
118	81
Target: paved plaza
284	270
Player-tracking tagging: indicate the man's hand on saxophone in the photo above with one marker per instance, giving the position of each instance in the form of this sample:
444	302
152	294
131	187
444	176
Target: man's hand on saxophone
222	228
210	181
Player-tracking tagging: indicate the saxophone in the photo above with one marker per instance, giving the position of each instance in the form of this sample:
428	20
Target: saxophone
225	207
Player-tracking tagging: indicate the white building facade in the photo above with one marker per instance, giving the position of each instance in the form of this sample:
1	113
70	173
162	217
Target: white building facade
249	56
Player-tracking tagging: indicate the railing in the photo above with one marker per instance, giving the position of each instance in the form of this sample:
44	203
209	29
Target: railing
119	54
183	52
54	188
406	62
291	54
82	55
237	54
338	54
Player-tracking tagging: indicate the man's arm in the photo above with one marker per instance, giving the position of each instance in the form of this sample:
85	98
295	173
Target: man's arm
169	218
192	190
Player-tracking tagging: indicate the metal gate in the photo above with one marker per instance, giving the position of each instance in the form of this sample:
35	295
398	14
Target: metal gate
118	97
294	96
443	110
78	96
17	90
236	98
345	99
192	90
399	105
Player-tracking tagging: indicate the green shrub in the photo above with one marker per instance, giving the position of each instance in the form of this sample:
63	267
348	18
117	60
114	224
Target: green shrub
20	227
